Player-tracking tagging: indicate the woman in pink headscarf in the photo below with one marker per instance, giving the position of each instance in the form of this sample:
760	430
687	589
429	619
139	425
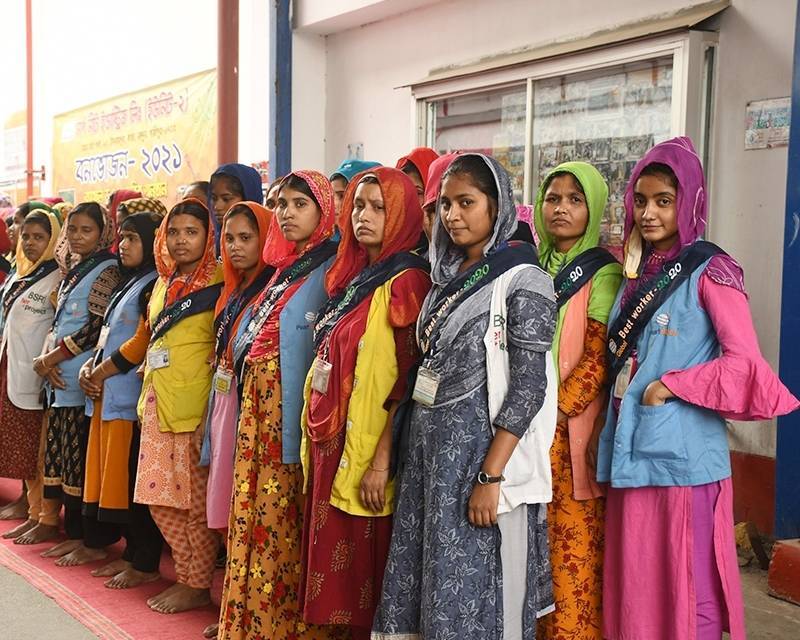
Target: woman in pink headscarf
684	358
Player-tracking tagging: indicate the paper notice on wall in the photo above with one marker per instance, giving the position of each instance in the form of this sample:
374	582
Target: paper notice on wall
767	123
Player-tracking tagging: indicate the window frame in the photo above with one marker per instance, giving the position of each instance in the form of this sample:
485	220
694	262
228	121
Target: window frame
692	86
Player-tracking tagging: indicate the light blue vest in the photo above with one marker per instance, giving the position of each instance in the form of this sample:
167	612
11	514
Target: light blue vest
121	392
71	316
675	444
297	352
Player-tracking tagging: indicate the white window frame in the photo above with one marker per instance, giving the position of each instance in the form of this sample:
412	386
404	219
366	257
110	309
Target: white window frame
690	109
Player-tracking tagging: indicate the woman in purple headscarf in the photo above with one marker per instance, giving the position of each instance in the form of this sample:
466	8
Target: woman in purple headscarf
684	357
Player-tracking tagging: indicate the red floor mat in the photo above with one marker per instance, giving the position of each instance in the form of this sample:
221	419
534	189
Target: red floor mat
109	614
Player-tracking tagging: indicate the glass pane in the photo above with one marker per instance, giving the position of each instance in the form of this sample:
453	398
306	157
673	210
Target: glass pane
608	118
491	122
707	106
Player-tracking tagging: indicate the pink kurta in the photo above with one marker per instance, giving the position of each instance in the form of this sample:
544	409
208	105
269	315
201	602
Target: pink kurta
223	445
670	570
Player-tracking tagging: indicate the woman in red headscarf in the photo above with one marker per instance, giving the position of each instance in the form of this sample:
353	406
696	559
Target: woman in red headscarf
115	199
415	165
271	354
364	343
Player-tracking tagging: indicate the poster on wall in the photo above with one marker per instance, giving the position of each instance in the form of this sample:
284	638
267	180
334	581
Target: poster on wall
156	140
767	123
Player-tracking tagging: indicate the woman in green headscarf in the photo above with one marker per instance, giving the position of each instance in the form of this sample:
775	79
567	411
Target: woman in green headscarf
569	209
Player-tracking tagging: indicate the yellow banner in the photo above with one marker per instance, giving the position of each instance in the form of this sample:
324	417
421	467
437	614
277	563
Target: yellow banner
157	141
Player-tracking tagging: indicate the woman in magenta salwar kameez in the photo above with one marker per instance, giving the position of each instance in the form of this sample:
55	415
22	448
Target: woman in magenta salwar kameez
684	358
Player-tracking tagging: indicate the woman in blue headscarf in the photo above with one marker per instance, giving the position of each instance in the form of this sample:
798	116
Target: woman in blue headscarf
229	184
342	176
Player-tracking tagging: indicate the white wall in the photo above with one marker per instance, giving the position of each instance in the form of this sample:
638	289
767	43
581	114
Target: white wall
324	17
367	63
748	188
12	53
309	100
364	65
254	90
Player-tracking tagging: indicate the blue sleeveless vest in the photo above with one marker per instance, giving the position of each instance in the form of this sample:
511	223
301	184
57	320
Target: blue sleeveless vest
121	392
71	316
296	353
675	444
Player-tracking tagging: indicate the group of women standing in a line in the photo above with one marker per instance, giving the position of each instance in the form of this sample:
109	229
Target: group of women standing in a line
400	435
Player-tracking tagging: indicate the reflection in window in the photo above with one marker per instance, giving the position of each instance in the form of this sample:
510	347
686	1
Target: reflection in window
492	123
609	119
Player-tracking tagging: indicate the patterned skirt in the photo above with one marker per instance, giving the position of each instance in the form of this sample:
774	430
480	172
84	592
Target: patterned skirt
164	475
259	597
344	556
576	554
65	453
20	432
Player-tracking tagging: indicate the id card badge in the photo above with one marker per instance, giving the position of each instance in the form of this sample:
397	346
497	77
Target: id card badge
101	341
623	379
223	378
426	386
321	376
158	359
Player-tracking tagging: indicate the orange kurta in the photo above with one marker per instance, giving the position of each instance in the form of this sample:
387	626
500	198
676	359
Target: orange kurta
576	514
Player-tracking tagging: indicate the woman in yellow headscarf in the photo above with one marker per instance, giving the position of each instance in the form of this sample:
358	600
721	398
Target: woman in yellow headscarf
27	315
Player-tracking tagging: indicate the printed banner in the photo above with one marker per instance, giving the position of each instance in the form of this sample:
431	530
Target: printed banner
156	141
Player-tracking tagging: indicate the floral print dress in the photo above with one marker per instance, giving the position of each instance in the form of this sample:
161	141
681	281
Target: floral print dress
259	598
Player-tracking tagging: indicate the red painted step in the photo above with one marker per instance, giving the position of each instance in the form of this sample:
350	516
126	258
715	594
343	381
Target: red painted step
784	571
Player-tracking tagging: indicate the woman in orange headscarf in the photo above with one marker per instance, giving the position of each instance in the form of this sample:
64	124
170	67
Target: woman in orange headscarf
272	355
244	238
175	389
365	345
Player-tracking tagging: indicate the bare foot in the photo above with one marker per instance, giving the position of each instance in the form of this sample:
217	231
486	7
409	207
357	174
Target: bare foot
38	534
16	510
131	578
62	549
211	630
157	599
184	598
81	555
16	532
111	569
